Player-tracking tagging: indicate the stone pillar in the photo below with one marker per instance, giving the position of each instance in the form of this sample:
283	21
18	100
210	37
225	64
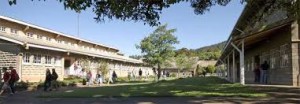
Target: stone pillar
295	47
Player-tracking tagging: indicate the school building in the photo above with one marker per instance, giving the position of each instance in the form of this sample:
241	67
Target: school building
274	37
32	49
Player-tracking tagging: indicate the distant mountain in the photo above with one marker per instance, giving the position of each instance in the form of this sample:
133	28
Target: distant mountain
214	47
212	52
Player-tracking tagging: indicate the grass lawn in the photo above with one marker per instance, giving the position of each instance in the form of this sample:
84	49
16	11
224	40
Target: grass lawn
190	87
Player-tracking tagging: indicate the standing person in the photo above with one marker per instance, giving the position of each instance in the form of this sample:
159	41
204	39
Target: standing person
89	78
6	78
114	75
99	78
129	75
110	77
54	76
83	76
48	80
264	72
14	78
140	74
257	73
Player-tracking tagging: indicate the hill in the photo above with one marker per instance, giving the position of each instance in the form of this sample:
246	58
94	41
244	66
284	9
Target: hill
212	52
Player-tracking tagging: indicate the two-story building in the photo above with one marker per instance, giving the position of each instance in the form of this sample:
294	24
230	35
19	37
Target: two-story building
32	49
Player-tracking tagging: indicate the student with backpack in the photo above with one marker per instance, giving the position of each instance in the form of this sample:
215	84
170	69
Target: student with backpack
14	78
48	79
6	78
54	83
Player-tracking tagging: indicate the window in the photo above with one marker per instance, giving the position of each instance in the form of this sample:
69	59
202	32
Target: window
2	29
37	58
13	31
57	60
26	58
284	58
48	38
58	41
273	58
48	59
29	35
39	37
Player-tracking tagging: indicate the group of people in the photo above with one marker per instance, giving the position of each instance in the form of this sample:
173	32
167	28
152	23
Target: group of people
88	78
10	77
261	73
132	75
51	80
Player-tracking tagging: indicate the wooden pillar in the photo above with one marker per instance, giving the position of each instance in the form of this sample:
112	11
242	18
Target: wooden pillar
233	67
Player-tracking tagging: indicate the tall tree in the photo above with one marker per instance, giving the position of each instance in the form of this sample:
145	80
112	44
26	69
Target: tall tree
158	46
184	62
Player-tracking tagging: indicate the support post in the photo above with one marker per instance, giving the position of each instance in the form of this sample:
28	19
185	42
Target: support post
242	66
233	67
228	68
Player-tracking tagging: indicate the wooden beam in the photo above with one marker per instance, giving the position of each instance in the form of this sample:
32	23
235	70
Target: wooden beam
26	28
57	36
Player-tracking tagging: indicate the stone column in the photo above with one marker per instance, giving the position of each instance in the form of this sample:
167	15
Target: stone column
295	47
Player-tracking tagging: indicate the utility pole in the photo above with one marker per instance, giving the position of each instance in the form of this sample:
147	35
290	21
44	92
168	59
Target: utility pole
78	24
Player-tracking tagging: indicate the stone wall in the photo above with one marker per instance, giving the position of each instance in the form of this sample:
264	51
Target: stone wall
264	49
32	72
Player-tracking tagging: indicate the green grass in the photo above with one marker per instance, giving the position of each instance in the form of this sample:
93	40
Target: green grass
189	87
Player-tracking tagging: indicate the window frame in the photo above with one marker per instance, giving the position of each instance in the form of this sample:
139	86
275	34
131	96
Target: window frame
35	59
2	29
13	31
48	59
29	34
26	57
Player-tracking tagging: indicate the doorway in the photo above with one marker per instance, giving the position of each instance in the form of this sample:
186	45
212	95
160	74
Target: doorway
67	66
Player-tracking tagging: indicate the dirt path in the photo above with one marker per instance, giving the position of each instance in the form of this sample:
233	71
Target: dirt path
277	95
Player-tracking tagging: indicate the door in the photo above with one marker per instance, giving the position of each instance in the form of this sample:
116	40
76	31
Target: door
67	66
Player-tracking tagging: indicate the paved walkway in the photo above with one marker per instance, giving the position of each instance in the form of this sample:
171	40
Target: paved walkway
277	95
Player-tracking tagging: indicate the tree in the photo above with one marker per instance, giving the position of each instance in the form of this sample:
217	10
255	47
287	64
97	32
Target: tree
103	67
158	46
211	69
181	61
136	56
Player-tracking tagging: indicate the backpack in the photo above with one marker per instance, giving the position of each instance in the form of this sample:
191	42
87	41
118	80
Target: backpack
17	77
54	76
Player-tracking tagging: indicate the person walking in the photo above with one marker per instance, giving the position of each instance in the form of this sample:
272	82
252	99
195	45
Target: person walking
140	74
264	72
14	78
48	80
99	78
114	76
54	76
89	78
110	76
6	78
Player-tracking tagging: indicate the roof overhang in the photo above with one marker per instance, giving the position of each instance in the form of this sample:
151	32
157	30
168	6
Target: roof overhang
254	37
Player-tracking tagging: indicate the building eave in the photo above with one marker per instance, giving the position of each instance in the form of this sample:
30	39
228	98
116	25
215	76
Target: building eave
52	31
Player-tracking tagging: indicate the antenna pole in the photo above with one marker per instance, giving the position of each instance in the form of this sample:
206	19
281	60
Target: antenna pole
78	24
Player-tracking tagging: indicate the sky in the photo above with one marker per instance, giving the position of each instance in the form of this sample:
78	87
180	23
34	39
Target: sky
193	31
